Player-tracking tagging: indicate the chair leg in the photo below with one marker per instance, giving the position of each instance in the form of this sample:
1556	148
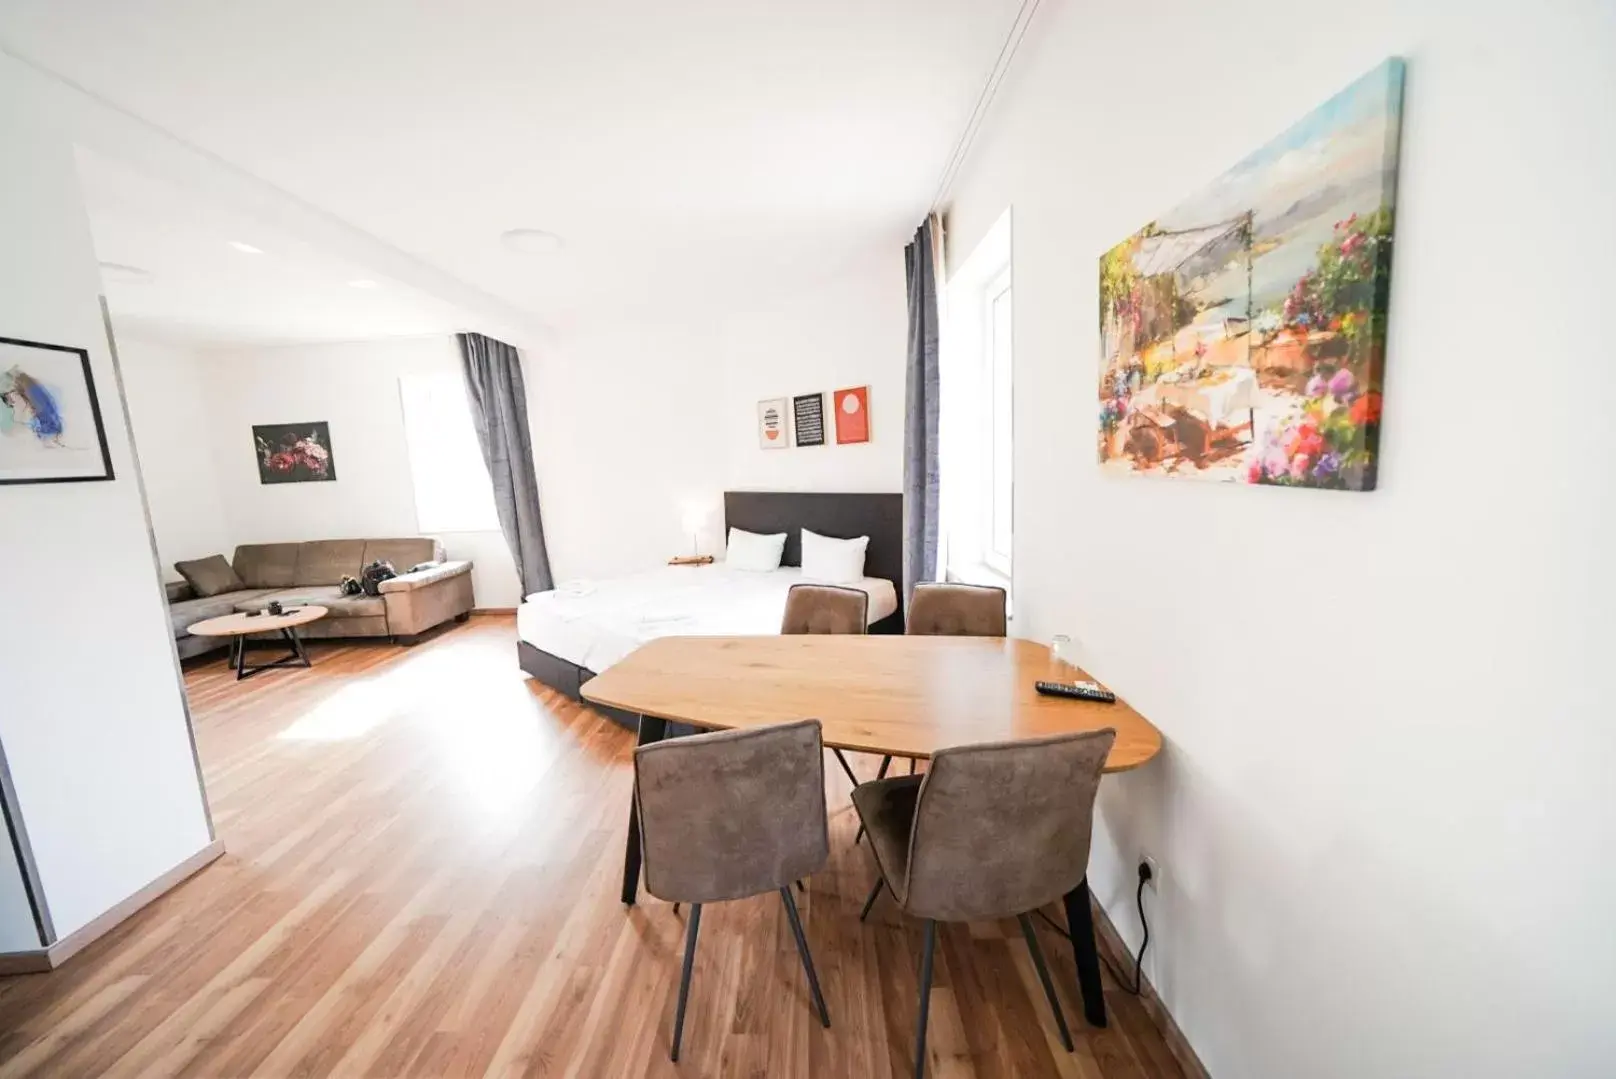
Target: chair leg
848	768
684	979
925	998
802	950
801	887
1043	976
1080	925
875	893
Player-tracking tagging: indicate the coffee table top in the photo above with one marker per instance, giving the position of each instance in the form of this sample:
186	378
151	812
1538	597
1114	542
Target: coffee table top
238	625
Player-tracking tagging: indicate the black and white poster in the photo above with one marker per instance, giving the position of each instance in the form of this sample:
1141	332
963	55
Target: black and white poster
808	419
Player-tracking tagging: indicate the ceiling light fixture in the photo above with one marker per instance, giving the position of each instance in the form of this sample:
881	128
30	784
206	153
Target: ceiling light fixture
121	271
246	249
531	241
363	282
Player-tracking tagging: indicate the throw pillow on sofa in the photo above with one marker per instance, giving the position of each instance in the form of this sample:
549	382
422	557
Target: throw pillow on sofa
210	576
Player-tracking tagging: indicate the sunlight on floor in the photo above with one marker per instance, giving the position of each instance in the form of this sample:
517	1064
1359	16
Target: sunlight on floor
494	753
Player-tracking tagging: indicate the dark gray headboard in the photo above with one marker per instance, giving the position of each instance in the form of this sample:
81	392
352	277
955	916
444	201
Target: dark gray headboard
842	516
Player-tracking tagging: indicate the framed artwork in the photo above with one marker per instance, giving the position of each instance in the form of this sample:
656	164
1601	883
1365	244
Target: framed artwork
294	452
852	408
50	418
1243	334
772	424
808	419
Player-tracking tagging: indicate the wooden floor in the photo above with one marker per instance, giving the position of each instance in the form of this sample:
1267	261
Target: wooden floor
424	856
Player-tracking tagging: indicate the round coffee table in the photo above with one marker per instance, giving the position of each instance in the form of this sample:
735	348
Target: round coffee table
238	627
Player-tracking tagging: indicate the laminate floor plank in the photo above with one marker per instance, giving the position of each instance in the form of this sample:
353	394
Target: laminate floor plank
423	857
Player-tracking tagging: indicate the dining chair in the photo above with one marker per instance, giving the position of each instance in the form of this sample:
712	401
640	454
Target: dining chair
993	831
827	608
728	815
949	609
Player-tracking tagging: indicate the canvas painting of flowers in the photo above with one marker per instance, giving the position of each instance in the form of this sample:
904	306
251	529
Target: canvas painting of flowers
1243	334
294	452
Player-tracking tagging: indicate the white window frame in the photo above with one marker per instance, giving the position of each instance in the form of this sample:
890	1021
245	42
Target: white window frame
998	378
434	514
977	407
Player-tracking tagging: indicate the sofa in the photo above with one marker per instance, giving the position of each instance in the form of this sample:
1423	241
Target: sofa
312	572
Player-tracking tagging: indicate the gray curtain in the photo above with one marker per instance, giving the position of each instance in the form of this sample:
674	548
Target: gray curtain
921	399
499	412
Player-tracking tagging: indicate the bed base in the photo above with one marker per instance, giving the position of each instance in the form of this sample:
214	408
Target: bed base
567	678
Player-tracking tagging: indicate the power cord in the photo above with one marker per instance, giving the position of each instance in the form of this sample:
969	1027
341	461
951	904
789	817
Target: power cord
1139	959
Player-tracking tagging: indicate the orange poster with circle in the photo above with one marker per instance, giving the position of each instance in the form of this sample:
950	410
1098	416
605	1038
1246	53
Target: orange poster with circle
852	415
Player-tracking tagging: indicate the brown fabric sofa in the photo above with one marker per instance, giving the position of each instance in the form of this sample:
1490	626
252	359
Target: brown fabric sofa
312	572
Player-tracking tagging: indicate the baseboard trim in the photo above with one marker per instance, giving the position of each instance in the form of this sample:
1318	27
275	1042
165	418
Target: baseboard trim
39	960
493	610
1121	959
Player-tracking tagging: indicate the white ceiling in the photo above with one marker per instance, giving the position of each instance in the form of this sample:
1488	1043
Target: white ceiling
202	291
690	154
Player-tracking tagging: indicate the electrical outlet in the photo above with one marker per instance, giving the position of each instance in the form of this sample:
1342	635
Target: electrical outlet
1146	861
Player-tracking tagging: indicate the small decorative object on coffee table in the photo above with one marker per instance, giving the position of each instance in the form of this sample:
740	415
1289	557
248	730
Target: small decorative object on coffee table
238	626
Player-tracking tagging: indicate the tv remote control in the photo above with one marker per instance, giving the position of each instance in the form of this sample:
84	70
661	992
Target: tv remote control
1083	691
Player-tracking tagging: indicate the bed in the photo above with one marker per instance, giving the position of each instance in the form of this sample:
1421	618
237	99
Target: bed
570	634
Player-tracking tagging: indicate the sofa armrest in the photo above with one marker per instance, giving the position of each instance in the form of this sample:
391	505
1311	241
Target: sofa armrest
418	601
178	591
409	582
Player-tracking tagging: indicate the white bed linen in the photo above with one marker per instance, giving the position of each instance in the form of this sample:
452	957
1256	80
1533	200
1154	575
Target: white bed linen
596	623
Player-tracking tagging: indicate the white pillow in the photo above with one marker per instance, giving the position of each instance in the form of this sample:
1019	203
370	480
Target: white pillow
834	561
751	551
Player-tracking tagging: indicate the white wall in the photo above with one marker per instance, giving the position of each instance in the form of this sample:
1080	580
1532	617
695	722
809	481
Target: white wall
355	388
626	440
847	332
1384	809
172	434
95	736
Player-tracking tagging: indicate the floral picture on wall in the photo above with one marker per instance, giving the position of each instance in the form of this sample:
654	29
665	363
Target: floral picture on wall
294	452
1243	334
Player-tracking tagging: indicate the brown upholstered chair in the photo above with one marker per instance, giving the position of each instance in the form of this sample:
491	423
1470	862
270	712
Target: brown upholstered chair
993	831
957	610
827	608
728	815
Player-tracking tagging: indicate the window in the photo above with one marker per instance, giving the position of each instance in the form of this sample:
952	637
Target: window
1000	410
978	414
452	490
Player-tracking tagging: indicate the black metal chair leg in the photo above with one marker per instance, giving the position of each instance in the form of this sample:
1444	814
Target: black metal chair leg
848	768
802	950
1043	976
925	998
875	893
684	979
1080	925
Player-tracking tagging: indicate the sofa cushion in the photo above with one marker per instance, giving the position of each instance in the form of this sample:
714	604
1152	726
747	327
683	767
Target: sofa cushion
328	561
402	553
327	596
188	611
267	565
209	576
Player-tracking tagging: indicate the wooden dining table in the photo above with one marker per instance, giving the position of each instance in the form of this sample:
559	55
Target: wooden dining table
898	696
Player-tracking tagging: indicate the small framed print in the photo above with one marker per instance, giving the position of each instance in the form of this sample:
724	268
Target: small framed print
808	419
852	408
50	419
772	424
